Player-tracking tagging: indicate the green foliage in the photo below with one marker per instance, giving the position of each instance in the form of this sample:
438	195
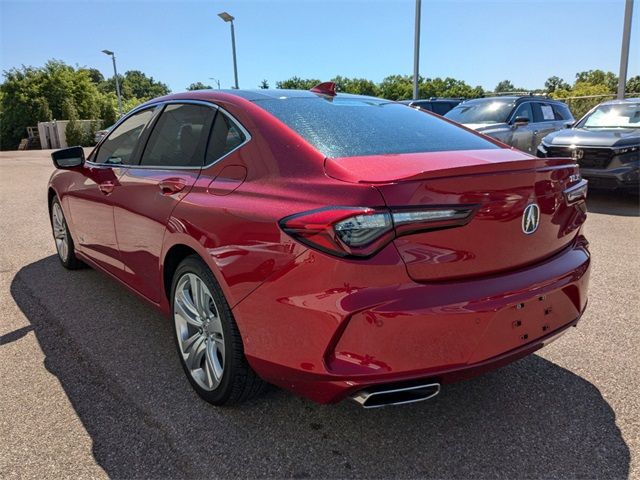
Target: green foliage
264	84
73	131
359	86
297	83
633	86
555	83
30	95
598	77
580	106
504	86
199	86
135	84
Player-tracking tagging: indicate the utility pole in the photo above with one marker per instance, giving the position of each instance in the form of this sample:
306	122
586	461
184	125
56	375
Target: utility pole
229	19
416	52
624	51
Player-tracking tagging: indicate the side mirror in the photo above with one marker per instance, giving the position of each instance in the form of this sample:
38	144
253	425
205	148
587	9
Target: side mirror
569	124
68	157
520	121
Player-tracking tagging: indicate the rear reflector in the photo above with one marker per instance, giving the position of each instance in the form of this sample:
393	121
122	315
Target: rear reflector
361	231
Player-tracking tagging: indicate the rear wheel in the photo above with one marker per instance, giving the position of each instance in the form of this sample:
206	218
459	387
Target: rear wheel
207	337
64	242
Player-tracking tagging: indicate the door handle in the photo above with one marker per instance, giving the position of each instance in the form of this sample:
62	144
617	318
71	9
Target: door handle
170	186
106	187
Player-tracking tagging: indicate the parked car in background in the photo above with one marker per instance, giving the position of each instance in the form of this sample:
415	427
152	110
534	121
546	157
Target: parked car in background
519	121
435	105
605	143
100	134
336	245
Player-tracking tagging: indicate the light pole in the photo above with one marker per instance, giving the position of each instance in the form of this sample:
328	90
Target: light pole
215	80
115	73
624	51
416	51
229	19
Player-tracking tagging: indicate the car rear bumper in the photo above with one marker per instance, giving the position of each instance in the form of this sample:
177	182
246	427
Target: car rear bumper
332	343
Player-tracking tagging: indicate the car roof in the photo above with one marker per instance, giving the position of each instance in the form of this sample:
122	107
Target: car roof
621	101
255	95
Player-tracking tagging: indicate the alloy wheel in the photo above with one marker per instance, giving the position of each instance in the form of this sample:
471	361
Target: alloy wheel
60	231
199	331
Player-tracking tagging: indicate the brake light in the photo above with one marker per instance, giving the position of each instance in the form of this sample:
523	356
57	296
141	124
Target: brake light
362	232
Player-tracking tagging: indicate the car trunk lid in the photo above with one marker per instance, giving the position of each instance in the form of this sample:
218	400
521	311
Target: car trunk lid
499	185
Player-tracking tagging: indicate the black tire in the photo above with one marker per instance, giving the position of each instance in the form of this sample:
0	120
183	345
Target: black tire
70	261
239	382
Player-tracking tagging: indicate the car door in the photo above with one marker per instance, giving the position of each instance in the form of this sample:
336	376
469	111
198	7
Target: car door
522	134
90	197
169	166
545	122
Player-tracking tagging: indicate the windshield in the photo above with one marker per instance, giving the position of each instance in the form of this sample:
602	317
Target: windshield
348	126
621	115
485	111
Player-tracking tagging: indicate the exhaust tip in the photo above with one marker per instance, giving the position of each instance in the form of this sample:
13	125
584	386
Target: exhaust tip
384	395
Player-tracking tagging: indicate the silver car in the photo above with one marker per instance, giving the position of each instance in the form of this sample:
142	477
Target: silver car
521	122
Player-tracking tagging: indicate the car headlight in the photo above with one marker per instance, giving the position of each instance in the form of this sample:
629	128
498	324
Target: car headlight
542	147
621	151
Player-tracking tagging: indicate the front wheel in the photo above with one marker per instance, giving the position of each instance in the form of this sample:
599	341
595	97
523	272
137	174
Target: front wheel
207	337
62	237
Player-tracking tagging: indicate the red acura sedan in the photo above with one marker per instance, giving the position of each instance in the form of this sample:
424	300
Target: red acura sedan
334	245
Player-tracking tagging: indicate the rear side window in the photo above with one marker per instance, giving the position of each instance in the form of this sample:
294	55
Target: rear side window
543	112
345	126
225	137
119	146
562	112
441	107
179	137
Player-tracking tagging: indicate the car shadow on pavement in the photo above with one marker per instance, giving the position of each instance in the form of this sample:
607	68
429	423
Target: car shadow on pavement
613	203
115	359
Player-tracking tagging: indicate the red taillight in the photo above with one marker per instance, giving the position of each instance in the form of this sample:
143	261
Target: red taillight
362	231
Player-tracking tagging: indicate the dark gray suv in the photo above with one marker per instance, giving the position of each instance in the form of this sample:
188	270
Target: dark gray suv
521	122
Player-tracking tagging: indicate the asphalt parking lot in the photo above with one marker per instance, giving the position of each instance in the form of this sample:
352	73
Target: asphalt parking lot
90	385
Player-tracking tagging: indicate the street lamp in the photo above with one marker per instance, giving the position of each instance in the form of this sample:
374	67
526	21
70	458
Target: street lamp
115	73
229	19
215	80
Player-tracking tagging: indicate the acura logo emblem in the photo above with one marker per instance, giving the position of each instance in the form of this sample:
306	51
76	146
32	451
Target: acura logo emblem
530	219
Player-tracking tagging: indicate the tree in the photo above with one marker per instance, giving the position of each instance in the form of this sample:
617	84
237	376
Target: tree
73	131
199	86
95	75
397	87
598	77
359	86
264	84
29	95
504	86
580	106
555	83
297	83
135	84
633	85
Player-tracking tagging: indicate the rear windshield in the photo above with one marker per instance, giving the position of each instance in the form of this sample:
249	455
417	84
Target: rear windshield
357	126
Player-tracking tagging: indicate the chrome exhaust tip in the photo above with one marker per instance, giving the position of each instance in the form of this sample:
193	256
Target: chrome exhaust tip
381	396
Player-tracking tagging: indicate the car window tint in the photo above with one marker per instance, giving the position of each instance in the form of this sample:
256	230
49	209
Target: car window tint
118	147
225	136
544	112
346	126
561	112
440	107
524	110
179	137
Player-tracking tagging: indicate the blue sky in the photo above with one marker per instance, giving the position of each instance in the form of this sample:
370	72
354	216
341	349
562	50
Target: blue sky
481	42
